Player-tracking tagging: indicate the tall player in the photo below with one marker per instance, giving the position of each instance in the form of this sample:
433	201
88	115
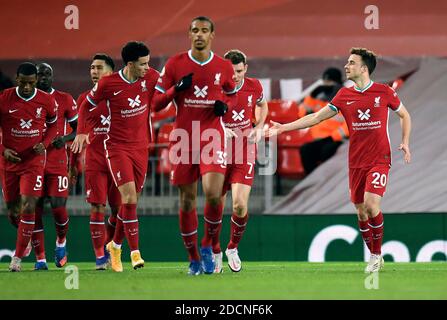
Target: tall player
365	106
99	183
128	94
24	114
241	155
196	81
55	180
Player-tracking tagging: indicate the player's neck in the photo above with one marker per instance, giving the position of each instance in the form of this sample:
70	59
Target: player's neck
201	55
128	75
362	83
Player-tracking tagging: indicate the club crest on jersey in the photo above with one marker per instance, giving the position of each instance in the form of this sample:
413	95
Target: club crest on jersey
143	86
364	115
250	100
377	102
217	79
39	112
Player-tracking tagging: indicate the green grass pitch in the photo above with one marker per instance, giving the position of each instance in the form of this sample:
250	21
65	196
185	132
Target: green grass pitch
257	280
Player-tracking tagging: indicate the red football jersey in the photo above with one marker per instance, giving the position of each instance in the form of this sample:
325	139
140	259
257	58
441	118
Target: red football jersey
366	113
128	104
211	80
95	122
23	121
239	118
67	111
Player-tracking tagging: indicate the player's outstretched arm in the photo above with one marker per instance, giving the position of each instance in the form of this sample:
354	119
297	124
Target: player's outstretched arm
405	123
163	97
78	142
261	112
305	122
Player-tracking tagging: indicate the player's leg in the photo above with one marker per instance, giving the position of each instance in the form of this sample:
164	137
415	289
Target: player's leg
375	222
240	194
61	221
11	195
38	238
114	199
217	251
212	183
30	190
188	222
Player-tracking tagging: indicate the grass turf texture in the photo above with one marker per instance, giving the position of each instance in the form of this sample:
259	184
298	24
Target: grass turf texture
257	280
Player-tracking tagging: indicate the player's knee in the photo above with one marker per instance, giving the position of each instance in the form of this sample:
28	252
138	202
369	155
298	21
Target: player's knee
213	200
239	207
370	208
129	197
29	206
98	208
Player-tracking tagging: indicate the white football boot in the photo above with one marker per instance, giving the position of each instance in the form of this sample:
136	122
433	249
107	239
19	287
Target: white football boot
234	262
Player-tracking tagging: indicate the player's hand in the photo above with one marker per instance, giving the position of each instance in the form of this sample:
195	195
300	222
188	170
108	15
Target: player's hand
406	149
229	134
58	142
11	156
78	142
72	175
184	83
220	108
274	130
39	148
255	135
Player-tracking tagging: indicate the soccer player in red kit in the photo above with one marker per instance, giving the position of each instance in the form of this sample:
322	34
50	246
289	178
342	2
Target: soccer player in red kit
198	82
128	94
366	107
99	184
25	112
55	179
241	153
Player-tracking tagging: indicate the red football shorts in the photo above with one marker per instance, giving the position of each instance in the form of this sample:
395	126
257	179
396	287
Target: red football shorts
99	186
372	179
55	186
126	166
190	170
26	182
239	173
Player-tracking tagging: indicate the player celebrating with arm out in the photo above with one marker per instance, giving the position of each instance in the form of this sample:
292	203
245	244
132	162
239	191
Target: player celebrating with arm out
99	185
198	81
25	112
241	155
55	179
128	94
365	106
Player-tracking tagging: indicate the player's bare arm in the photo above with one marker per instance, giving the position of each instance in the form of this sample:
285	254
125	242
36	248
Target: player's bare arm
11	156
79	141
305	122
405	123
261	112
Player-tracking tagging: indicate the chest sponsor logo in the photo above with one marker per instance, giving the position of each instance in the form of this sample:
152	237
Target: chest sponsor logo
238	116
217	79
364	115
26	124
200	92
377	102
134	102
105	121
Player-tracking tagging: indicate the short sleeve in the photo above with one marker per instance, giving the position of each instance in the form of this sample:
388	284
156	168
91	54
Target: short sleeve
229	86
166	79
394	102
259	92
337	101
97	94
71	112
51	108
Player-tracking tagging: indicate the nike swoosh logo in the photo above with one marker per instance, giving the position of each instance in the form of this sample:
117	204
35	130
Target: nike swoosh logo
248	177
38	189
12	111
376	187
116	93
350	102
61	190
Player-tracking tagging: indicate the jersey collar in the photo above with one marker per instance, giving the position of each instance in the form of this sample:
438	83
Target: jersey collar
124	78
365	88
239	87
198	62
52	91
26	99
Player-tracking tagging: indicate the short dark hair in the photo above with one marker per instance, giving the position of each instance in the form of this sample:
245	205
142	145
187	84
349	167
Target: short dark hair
27	69
236	56
333	74
106	59
134	50
203	18
369	58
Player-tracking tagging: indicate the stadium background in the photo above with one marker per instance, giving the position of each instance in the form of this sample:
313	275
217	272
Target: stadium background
289	44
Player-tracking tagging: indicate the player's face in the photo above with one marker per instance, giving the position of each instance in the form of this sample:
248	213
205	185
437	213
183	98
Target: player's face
239	72
26	84
99	69
44	78
140	67
200	35
355	67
